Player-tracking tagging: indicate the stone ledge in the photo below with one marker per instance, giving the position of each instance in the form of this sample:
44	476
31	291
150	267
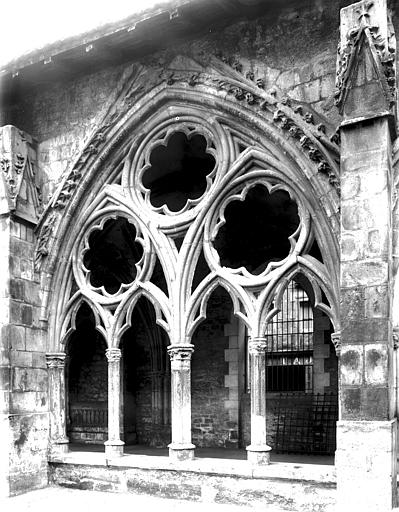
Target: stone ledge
195	482
318	474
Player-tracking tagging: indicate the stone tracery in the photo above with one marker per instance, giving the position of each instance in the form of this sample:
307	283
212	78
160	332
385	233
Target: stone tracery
237	171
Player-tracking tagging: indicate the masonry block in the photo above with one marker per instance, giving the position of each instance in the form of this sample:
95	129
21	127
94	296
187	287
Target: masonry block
376	364
365	458
352	361
13	336
351	402
231	355
29	379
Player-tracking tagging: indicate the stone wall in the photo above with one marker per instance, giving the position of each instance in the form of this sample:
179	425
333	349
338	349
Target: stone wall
23	383
210	418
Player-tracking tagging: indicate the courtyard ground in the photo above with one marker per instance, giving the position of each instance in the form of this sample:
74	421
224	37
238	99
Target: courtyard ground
58	499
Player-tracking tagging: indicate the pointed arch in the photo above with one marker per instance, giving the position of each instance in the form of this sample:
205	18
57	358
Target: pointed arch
299	151
199	301
68	323
270	301
125	309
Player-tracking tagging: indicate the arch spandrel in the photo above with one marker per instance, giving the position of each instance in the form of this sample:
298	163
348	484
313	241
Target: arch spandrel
283	144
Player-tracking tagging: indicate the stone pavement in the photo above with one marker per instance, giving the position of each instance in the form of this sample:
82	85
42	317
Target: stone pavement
58	499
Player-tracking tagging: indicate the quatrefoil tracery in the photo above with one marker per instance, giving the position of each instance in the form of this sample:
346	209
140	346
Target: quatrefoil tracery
159	226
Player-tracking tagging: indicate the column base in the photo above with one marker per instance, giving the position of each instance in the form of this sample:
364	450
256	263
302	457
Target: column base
114	448
365	462
259	454
181	452
60	446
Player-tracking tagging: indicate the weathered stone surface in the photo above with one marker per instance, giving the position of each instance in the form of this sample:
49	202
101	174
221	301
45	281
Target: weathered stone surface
365	331
351	402
365	456
364	273
199	486
352	362
376	364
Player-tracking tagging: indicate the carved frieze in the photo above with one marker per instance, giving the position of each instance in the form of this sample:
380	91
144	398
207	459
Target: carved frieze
288	124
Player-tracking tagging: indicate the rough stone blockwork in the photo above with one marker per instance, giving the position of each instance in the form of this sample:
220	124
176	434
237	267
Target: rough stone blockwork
23	365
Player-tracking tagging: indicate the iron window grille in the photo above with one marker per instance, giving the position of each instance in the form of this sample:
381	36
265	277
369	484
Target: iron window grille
289	356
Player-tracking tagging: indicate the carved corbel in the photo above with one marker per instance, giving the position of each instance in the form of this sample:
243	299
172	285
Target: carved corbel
13	160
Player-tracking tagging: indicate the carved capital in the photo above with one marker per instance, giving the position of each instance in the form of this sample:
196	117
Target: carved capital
257	346
180	356
336	340
55	359
113	355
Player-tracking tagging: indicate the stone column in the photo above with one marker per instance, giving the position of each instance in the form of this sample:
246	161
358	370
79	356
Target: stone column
114	445
56	381
181	447
258	451
366	431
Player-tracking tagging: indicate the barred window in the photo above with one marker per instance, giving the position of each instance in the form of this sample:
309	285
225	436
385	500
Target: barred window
289	359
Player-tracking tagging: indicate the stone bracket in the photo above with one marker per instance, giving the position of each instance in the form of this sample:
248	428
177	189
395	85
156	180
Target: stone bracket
20	192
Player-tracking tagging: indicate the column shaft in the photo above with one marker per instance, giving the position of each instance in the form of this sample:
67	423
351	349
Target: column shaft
114	445
56	375
181	447
258	451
